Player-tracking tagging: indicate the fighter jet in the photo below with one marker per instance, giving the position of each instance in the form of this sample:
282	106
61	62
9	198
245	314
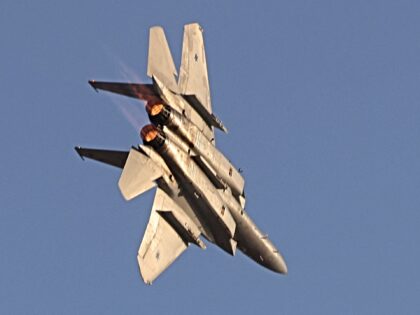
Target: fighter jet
199	193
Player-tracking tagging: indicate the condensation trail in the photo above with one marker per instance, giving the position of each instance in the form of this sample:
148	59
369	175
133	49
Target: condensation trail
132	110
134	113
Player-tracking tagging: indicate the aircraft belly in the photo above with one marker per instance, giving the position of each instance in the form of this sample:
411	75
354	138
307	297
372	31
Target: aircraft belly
172	190
222	166
250	240
213	230
202	196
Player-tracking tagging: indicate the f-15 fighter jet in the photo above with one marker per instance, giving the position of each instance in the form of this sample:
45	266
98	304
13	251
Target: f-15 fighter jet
199	192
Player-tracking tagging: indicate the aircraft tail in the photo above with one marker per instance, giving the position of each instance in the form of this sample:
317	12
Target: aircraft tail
138	175
160	62
136	90
111	157
193	78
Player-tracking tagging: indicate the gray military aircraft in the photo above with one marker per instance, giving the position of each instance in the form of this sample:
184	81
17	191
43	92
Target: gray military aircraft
199	192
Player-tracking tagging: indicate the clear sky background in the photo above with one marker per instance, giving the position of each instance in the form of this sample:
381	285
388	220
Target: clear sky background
322	100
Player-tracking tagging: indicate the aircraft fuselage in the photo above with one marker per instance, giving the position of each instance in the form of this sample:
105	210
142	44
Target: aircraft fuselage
200	192
226	222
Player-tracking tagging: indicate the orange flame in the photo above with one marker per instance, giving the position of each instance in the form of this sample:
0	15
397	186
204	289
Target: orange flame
149	133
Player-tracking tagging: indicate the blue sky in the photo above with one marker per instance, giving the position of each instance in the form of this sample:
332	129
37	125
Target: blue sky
321	99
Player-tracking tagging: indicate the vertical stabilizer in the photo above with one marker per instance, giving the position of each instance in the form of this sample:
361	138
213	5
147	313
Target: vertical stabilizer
193	78
160	62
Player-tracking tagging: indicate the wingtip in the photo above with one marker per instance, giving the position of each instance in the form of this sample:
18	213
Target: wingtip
222	127
78	150
92	84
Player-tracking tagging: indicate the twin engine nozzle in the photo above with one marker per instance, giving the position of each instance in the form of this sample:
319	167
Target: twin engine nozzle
152	135
159	113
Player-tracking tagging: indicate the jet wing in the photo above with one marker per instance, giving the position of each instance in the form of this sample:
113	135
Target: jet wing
166	237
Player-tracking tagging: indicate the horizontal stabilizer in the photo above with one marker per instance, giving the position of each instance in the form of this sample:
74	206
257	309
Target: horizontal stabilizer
138	175
114	158
135	90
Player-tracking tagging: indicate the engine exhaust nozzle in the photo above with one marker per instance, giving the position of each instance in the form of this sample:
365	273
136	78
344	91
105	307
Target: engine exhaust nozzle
152	135
148	133
154	109
159	114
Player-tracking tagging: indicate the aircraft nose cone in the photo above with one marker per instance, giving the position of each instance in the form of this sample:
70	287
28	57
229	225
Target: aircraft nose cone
279	264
